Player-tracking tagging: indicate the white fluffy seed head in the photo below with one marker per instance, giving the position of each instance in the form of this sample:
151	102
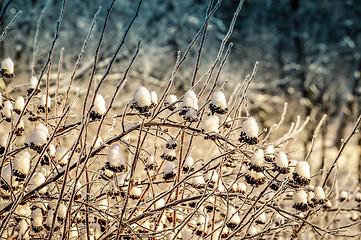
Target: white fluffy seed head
99	104
300	197
219	100
319	193
252	231
42	128
98	142
262	218
210	124
7	65
269	150
250	127
7	110
170	152
61	155
37	218
154	97
303	169
258	158
344	195
4	140
22	162
19	103
23	227
115	156
281	160
6	174
169	167
142	97
310	196
255	175
242	187
44	101
33	82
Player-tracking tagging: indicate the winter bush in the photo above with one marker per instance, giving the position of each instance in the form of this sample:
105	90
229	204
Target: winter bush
192	165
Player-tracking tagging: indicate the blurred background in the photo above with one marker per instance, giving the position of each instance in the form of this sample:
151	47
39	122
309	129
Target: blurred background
309	54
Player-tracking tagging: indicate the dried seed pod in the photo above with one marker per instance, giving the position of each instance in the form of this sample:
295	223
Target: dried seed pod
37	179
302	173
169	155
62	156
257	161
7	68
269	153
170	102
135	193
218	103
190	101
255	178
188	165
209	125
44	103
33	82
19	105
151	164
21	165
249	132
99	108
7	111
142	100
281	163
171	143
300	201
37	220
115	159
38	138
169	171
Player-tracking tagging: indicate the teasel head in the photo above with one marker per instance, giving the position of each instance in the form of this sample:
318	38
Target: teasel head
269	153
281	163
300	201
302	174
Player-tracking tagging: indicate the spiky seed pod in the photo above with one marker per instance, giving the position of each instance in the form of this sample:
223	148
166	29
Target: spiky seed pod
7	68
188	165
319	195
170	102
191	115
302	173
209	125
151	164
44	102
255	178
198	180
37	220
169	155
115	159
33	82
344	196
154	99
21	165
7	111
281	163
142	100
169	171
135	193
249	132
3	142
269	153
38	138
218	103
19	105
300	201
37	179
261	219
99	108
257	161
